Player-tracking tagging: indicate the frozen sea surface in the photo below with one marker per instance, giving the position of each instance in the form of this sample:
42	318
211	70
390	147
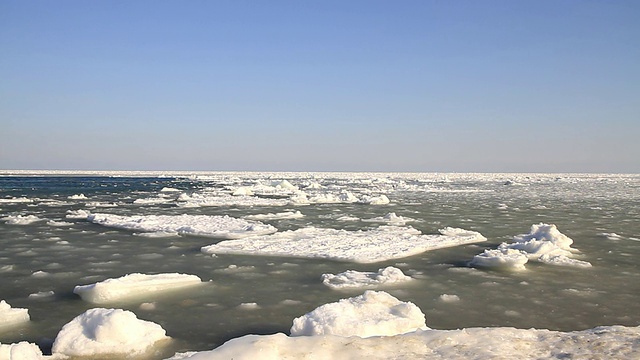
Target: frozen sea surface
50	246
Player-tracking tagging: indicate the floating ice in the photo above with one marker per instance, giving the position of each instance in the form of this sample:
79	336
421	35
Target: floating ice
170	189
41	294
501	258
383	243
374	313
12	316
134	286
611	236
277	216
375	200
20	351
15	200
449	298
224	227
77	197
472	343
544	244
21	220
58	223
102	332
206	200
356	279
77	214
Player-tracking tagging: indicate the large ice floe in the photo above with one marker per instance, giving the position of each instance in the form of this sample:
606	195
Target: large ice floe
352	279
10	316
376	325
374	313
99	332
134	286
544	243
224	227
370	246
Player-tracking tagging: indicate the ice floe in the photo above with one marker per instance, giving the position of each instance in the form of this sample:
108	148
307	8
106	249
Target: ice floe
10	316
276	216
501	258
376	325
224	227
77	197
101	332
605	342
383	243
544	243
356	279
134	286
20	351
15	200
21	219
374	313
218	200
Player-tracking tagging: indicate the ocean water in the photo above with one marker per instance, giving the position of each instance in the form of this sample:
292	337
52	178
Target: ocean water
46	251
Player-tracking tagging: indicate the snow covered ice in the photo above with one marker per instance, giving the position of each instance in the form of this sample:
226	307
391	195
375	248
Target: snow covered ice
376	325
615	342
10	316
380	244
224	227
134	286
374	313
99	332
545	243
358	279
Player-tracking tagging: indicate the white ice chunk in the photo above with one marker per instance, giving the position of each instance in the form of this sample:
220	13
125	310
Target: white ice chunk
214	200
134	286
102	332
77	197
15	200
58	223
472	344
21	220
563	260
375	200
276	216
356	279
12	316
242	191
20	351
224	227
501	258
77	214
380	244
375	313
169	189
544	244
543	239
449	298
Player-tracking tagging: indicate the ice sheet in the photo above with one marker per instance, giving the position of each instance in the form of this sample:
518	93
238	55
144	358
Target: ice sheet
134	286
380	244
224	227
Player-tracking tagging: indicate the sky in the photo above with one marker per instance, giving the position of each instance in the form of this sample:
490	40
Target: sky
357	85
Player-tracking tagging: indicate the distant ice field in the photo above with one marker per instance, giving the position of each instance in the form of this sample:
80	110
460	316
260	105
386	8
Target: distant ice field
59	230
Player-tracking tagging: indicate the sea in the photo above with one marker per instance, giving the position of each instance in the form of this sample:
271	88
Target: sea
48	247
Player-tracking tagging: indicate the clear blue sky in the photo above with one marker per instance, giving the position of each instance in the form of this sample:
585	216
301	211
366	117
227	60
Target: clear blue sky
490	86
